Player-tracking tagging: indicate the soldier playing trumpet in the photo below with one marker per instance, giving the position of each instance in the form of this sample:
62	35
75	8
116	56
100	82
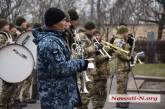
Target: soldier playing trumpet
123	59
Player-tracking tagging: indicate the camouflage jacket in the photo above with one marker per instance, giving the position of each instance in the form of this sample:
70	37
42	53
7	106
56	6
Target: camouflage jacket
122	58
3	39
56	71
102	64
69	36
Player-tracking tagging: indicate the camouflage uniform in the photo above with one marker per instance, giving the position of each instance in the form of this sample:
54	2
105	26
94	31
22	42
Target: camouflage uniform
122	65
23	91
69	36
100	79
26	88
6	98
89	52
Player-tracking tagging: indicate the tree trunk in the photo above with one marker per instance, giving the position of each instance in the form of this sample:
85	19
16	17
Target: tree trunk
92	10
98	14
160	31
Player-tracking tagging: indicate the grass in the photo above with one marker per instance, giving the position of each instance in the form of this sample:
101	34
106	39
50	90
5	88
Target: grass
150	69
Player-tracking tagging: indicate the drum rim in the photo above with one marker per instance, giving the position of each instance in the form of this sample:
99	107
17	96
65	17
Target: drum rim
16	42
32	59
22	34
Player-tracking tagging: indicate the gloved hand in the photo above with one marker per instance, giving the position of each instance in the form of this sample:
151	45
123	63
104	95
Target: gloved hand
85	66
98	46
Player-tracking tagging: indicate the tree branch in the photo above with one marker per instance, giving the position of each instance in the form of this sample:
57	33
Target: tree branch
147	20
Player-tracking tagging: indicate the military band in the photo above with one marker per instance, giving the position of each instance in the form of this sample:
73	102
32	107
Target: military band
62	74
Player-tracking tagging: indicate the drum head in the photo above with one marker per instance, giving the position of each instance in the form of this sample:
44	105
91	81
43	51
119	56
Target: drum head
16	63
26	39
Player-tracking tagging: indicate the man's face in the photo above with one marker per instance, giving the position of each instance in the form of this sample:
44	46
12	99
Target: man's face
61	26
24	25
13	30
98	36
68	24
92	31
125	35
74	23
6	28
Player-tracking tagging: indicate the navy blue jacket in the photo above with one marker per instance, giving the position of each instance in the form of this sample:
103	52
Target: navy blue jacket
56	71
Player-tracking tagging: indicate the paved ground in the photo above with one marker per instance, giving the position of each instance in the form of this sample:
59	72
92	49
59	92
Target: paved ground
108	105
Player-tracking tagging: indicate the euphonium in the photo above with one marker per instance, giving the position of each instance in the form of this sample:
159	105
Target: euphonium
78	51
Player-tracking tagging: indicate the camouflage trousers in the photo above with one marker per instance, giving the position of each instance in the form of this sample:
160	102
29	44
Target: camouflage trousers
86	97
24	88
97	94
122	81
7	95
27	88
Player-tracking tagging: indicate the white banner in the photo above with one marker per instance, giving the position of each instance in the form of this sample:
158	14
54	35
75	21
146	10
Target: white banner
135	98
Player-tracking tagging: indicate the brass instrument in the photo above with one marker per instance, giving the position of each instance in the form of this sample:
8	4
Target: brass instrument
115	47
78	50
102	51
139	54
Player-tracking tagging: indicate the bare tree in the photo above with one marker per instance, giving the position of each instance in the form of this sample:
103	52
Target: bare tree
8	6
155	13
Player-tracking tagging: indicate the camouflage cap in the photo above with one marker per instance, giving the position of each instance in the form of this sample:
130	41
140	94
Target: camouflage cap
20	20
90	25
122	29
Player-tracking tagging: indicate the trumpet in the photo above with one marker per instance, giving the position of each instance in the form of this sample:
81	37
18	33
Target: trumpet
115	47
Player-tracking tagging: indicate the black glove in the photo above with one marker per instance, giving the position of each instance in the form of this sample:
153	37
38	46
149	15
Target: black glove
86	64
98	46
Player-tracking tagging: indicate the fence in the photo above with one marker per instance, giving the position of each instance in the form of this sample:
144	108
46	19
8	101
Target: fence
154	50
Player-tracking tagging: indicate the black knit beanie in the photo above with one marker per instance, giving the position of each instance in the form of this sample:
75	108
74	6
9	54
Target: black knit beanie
53	16
3	22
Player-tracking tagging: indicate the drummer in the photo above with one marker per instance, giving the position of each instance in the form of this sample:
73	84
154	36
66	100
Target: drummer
21	24
8	89
4	26
14	32
24	87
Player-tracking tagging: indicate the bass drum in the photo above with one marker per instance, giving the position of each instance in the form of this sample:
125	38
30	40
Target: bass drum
16	63
26	39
